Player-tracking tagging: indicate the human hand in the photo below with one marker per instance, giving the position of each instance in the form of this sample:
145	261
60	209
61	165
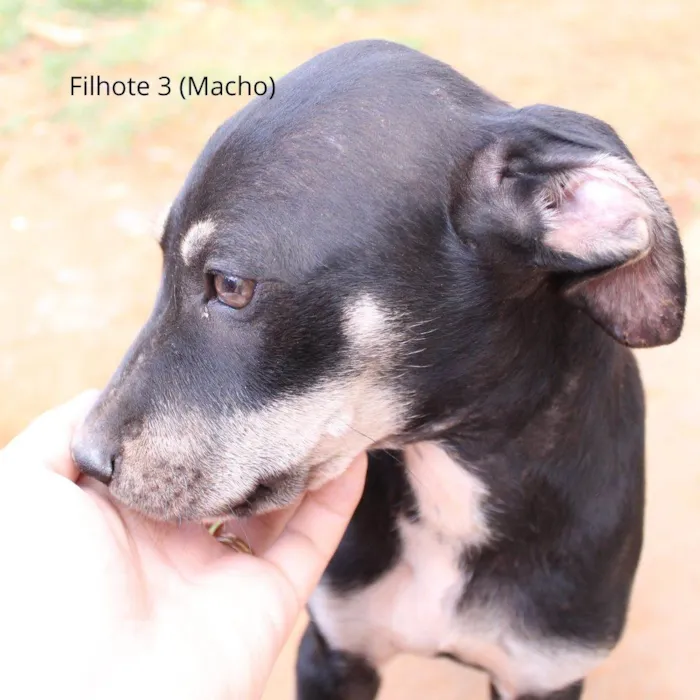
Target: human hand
98	602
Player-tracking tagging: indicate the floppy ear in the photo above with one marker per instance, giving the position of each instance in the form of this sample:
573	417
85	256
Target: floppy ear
610	211
569	194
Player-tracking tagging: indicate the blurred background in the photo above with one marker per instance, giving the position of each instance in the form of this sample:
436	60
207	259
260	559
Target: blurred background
82	181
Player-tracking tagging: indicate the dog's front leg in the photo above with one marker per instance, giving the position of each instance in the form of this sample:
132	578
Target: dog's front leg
327	674
572	692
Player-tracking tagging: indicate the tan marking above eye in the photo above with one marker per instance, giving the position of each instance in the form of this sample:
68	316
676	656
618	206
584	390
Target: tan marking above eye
235	292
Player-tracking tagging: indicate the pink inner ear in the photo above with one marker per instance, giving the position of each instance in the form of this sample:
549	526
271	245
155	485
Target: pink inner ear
610	215
600	218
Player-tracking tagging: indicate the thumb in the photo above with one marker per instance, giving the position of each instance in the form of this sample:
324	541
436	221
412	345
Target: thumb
289	569
284	576
313	533
45	443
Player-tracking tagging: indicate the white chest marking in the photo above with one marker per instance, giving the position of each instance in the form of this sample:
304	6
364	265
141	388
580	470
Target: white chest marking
413	608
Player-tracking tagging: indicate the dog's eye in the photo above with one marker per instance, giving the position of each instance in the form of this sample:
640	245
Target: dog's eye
235	292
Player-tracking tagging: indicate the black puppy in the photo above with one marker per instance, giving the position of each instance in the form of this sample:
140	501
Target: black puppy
385	256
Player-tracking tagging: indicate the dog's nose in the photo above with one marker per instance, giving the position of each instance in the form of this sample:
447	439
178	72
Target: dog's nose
94	457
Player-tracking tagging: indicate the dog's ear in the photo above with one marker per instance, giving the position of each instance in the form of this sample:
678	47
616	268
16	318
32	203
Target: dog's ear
562	191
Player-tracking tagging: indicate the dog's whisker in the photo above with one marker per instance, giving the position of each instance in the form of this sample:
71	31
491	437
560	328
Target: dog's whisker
393	456
239	521
423	484
246	538
422	333
359	432
407	467
416	324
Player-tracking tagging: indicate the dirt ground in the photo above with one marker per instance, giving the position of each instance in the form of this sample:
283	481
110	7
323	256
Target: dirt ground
83	179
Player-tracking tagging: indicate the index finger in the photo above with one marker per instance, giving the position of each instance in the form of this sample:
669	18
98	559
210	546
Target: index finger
45	442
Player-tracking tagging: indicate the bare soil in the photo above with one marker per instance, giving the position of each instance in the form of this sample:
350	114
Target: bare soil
81	180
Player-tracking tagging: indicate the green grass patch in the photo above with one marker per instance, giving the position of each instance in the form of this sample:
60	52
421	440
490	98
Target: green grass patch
413	42
108	7
116	135
131	47
86	116
322	7
11	29
105	133
14	124
55	66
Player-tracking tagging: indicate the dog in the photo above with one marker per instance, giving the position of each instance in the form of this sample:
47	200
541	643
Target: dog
386	257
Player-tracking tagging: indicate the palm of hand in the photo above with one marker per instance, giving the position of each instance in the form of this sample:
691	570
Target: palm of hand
153	609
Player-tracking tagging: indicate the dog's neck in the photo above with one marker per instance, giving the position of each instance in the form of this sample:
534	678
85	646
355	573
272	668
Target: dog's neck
487	397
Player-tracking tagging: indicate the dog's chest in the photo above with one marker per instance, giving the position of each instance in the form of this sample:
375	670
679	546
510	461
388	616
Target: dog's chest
414	607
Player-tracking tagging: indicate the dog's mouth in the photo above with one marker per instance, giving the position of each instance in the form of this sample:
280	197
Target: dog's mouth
182	469
194	493
271	494
281	491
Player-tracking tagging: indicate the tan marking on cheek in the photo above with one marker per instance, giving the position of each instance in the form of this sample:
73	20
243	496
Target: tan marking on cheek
340	424
371	409
195	239
235	450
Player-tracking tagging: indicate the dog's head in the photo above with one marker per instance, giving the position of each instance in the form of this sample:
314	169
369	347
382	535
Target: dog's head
342	264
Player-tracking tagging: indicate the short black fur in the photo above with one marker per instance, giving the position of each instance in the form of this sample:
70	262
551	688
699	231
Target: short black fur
379	173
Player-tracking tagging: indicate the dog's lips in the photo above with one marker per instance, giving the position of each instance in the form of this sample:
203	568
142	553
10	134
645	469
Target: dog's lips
283	490
269	495
241	511
244	508
323	472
